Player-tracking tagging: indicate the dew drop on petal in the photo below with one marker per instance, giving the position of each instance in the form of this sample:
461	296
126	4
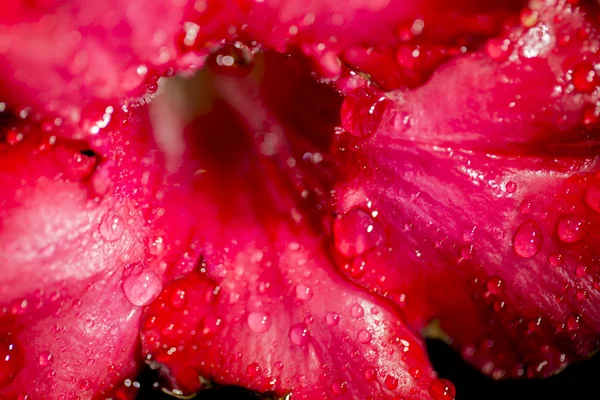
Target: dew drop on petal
582	295
253	370
391	382
45	358
572	323
370	374
156	245
339	387
355	233
581	271
304	292
211	324
498	49
442	389
495	285
140	284
332	318
467	252
364	336
259	321
511	187
112	227
572	229
555	259
362	112
528	241
585	78
592	197
357	311
299	334
178	298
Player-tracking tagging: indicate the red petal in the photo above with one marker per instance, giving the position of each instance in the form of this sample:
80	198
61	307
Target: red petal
76	246
481	189
266	309
60	56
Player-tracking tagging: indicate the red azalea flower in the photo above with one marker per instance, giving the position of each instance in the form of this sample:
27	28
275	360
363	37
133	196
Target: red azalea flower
333	179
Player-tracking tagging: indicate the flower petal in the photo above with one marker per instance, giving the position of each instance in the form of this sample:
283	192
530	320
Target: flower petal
265	308
80	257
477	197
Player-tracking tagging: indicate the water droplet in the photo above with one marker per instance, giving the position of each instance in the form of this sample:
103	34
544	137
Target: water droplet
364	336
555	259
355	233
299	334
11	360
259	322
391	382
45	358
582	294
415	372
358	268
211	324
498	305
332	318
339	387
362	112
442	389
525	207
112	227
140	285
584	77
495	285
581	271
469	235
528	241
572	229
572	323
253	370
370	374
592	197
303	292
156	245
467	252
178	298
357	311
533	326
511	187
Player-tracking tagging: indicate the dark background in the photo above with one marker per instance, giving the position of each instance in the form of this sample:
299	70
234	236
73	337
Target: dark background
576	382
